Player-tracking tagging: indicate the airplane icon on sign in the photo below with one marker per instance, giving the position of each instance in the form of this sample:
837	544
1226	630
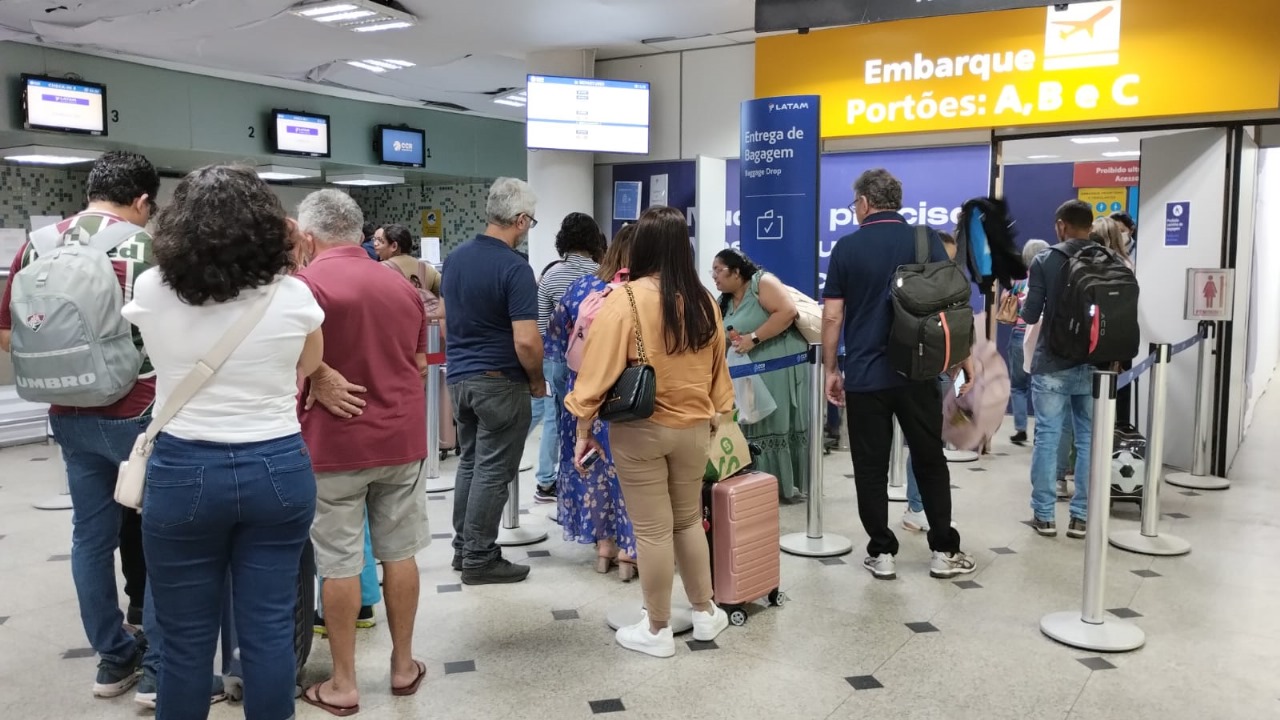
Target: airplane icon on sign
1086	26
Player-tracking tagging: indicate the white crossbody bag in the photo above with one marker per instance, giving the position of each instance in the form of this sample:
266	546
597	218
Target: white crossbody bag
132	479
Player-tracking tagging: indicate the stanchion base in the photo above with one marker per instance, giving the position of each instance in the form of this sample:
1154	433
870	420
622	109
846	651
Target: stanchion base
898	494
1197	482
1134	541
57	502
519	536
1070	629
820	547
628	613
961	456
441	484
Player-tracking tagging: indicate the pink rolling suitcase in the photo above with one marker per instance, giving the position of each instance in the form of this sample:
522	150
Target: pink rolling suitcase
740	514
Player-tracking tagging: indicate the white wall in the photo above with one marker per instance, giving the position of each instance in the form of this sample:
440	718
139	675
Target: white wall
1264	301
662	72
1238	393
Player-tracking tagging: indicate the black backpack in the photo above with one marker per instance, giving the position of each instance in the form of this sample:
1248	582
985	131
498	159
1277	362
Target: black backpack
932	328
1095	319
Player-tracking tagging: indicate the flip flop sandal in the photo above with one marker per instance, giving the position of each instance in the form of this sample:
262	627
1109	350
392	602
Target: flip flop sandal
313	699
412	687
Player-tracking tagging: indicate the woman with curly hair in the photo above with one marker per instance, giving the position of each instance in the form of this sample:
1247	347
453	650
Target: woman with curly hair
230	489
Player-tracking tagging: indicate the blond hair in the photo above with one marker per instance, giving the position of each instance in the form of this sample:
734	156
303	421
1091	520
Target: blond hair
1111	235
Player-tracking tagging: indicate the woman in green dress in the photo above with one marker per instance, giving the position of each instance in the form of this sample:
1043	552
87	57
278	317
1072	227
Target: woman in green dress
760	319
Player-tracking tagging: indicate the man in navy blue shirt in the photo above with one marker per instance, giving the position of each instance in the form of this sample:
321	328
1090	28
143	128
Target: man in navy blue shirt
857	301
494	355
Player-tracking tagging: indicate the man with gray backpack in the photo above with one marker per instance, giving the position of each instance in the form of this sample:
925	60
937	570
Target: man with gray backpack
71	348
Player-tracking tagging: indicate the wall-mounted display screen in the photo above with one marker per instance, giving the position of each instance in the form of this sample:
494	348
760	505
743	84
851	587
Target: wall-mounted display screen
400	146
64	105
300	134
566	113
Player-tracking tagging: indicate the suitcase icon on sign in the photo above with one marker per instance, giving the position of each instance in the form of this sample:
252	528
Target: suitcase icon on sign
769	226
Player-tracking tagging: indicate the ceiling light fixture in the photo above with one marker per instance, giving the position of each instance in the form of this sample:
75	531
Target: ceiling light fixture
1095	140
366	66
355	15
1123	153
518	97
286	172
49	155
1042	157
380	66
365	179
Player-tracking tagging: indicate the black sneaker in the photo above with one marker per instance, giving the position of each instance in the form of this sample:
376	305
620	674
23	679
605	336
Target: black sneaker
544	495
500	571
1076	528
1047	528
1019	438
457	562
115	680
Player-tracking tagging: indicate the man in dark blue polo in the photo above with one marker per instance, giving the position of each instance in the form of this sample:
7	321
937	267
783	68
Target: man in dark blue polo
857	302
494	357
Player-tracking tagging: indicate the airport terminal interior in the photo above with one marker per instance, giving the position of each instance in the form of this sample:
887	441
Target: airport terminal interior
754	118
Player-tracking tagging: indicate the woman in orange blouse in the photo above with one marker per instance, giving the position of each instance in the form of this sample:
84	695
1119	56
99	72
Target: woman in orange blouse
661	461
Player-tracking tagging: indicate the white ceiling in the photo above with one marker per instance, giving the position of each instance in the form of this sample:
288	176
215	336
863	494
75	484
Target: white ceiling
463	49
1032	151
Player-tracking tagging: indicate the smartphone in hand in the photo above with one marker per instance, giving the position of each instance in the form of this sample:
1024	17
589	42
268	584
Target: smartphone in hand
590	458
959	382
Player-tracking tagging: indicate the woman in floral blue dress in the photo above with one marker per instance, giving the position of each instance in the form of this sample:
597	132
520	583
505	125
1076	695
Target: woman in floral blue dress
591	506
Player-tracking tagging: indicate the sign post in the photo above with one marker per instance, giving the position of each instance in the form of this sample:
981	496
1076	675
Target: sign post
779	190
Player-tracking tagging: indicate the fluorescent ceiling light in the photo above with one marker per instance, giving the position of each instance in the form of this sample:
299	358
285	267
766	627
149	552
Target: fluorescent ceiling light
511	103
1123	153
380	66
383	64
1095	140
49	155
513	98
399	63
356	15
366	66
1042	157
286	172
365	179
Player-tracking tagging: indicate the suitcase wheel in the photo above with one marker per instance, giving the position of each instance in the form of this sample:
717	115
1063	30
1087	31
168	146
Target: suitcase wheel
777	598
737	615
444	454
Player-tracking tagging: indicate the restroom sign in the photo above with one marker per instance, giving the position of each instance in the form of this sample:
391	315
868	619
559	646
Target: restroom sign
1210	294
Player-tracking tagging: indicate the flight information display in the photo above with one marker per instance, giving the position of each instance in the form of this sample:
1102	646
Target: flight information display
299	134
64	105
566	113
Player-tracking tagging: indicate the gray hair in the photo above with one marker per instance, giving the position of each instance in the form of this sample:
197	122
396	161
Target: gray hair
509	198
882	190
1033	248
332	216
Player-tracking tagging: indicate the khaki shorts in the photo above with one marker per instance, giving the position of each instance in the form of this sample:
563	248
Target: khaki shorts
397	507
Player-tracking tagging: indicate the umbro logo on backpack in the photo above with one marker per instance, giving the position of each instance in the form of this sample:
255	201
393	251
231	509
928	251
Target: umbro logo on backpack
34	321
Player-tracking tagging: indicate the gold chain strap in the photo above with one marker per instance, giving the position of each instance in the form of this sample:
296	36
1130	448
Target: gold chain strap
635	319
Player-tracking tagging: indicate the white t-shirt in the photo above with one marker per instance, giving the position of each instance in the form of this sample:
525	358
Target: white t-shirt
253	397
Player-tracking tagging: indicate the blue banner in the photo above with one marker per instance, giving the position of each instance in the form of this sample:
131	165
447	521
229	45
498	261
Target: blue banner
760	368
780	147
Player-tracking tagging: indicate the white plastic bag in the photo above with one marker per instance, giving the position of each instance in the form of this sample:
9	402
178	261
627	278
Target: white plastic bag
752	396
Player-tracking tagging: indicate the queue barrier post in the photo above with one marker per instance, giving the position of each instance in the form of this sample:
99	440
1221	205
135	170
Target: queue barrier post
814	542
432	481
61	501
898	466
1089	628
1147	540
1199	477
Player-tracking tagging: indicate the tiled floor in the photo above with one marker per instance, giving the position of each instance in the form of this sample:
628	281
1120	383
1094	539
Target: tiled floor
845	646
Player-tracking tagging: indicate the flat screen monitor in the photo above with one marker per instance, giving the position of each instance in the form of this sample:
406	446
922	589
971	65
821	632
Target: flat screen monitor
400	146
568	113
73	106
300	134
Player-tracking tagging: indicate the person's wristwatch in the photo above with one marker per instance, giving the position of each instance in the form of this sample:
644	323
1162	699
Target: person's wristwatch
755	339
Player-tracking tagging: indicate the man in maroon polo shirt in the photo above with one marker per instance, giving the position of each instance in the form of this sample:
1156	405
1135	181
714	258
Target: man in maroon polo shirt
367	439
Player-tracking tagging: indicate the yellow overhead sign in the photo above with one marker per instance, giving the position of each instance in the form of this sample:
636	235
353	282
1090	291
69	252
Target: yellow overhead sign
1085	62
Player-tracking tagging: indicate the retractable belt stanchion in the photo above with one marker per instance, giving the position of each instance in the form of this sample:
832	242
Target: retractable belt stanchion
432	480
813	542
1199	477
1089	628
1148	540
898	466
61	501
511	534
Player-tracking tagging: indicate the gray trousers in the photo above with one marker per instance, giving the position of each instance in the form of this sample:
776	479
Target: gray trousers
493	415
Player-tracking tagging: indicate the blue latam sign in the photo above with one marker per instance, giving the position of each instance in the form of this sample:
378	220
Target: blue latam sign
780	148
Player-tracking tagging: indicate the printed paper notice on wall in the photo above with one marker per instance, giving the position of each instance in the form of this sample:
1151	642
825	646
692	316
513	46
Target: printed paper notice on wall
658	190
1177	221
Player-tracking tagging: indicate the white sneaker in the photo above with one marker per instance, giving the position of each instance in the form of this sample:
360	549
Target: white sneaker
638	637
706	626
949	565
915	521
881	567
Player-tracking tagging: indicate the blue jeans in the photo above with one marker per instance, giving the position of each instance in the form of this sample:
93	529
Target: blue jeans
557	374
92	449
1061	397
213	508
493	415
1019	380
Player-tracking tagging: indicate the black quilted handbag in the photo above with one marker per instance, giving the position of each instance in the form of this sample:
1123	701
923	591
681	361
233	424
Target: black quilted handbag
632	397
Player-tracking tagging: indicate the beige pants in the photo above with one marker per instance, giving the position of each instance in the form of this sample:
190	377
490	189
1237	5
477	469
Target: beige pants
660	471
397	510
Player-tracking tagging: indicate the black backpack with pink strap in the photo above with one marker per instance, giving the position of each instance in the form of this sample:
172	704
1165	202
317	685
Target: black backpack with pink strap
932	328
1095	320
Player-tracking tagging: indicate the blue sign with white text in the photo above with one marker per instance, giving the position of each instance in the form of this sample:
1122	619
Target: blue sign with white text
780	147
1177	220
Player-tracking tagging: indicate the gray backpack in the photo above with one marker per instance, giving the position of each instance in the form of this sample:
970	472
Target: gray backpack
71	345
